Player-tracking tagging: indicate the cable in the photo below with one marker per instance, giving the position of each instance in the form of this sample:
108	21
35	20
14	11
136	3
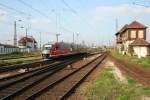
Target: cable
134	3
67	5
36	10
76	13
10	8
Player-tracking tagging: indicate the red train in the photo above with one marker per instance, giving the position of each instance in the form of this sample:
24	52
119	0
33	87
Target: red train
56	49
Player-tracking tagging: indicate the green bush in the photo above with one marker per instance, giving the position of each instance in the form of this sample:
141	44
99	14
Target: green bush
130	49
122	47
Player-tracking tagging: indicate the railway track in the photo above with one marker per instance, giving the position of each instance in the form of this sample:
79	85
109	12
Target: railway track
64	87
23	71
18	84
17	57
60	85
36	63
133	70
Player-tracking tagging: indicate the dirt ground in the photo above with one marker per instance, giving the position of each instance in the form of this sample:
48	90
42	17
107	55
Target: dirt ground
78	93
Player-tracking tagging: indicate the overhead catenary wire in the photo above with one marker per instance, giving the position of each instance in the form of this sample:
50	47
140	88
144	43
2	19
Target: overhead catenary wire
140	4
24	13
21	12
31	7
67	5
36	10
10	8
19	26
18	11
76	13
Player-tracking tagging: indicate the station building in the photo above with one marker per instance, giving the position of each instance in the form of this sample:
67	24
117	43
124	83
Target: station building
27	44
131	40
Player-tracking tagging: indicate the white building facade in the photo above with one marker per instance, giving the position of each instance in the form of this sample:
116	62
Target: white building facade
141	48
27	44
133	36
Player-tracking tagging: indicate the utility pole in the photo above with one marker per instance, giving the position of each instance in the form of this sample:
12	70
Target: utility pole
57	24
26	36
15	34
40	40
116	25
57	35
77	40
73	39
83	43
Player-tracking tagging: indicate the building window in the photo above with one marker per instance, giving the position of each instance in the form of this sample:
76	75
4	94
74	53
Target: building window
133	34
140	34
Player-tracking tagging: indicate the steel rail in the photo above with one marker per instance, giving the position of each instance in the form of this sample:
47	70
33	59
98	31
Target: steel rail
37	93
36	63
36	78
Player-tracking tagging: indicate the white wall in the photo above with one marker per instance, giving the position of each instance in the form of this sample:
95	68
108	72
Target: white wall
8	50
30	44
141	51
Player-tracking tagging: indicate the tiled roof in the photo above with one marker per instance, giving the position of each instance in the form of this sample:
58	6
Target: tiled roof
27	39
8	46
122	29
140	42
134	24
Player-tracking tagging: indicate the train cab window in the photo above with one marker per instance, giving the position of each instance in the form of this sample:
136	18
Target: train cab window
47	48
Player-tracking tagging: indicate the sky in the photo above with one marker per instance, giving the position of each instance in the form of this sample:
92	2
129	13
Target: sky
93	20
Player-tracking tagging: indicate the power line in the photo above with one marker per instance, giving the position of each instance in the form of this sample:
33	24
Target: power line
67	5
28	5
139	4
76	13
36	10
19	26
21	12
10	8
56	13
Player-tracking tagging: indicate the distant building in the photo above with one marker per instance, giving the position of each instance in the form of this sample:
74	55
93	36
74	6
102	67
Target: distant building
7	49
27	44
133	36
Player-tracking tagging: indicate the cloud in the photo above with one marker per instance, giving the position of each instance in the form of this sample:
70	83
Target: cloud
3	15
125	8
40	21
121	10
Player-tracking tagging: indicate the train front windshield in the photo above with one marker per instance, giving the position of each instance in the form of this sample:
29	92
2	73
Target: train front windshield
47	47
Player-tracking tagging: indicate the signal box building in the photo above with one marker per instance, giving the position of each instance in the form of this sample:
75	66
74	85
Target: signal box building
27	44
133	36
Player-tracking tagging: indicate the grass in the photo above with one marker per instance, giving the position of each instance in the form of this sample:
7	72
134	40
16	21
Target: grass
18	55
145	62
19	61
18	58
106	87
